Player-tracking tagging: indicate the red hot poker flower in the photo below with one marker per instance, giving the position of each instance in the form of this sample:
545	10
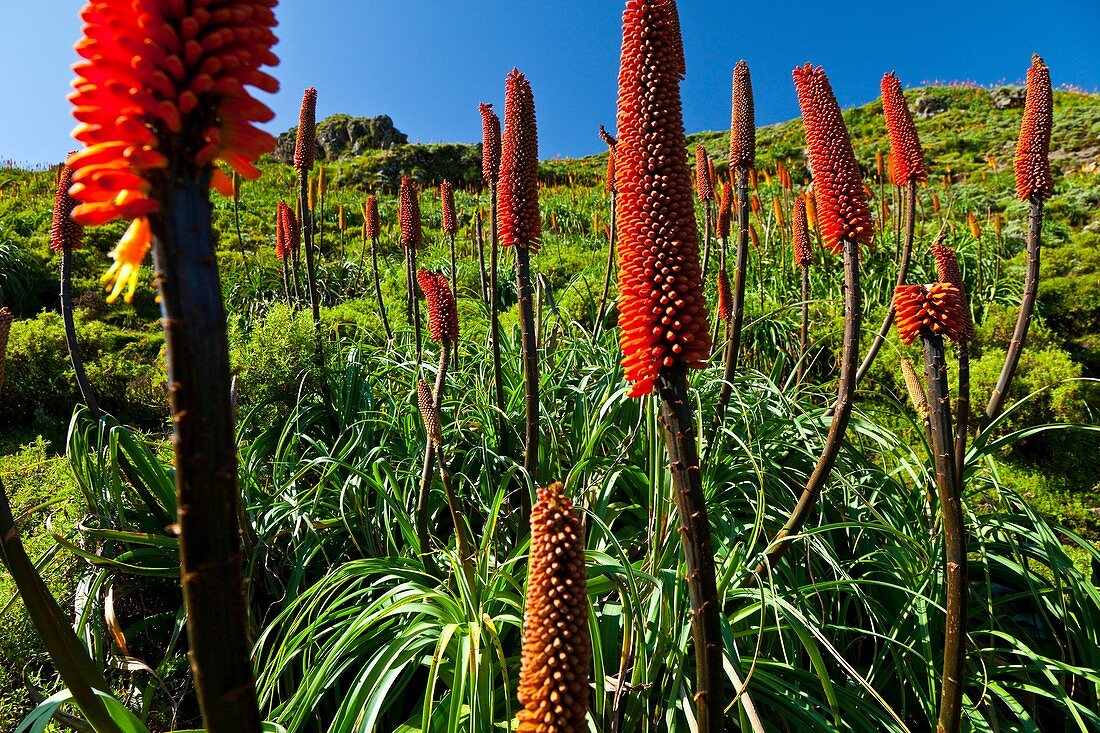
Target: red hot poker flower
518	218
725	296
743	119
937	307
372	225
662	311
703	186
408	214
838	186
305	144
490	143
442	311
725	211
947	271
282	245
447	199
801	239
1032	164
290	228
64	232
161	80
557	648
906	156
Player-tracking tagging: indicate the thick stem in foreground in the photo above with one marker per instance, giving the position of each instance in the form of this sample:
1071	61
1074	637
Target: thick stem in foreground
687	486
530	369
601	309
70	332
954	539
839	424
1027	307
804	328
903	274
205	458
69	656
494	322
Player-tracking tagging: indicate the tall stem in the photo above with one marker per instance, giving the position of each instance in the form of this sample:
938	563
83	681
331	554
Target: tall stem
962	408
740	265
205	457
683	457
378	288
306	225
601	310
530	368
286	282
494	321
706	239
1027	306
804	329
903	273
843	411
454	280
70	331
483	277
954	538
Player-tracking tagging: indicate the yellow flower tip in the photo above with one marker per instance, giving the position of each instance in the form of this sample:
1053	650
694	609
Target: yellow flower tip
128	256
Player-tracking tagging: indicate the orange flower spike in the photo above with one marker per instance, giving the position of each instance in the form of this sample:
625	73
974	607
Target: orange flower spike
811	209
947	271
937	308
442	312
291	231
518	218
64	232
372	225
838	186
724	308
128	255
282	248
742	119
975	227
408	214
703	185
725	211
153	78
801	239
662	311
1032	162
777	209
611	170
906	155
305	143
556	657
490	143
447	204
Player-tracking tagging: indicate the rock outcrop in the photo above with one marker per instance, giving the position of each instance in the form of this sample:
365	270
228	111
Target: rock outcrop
343	136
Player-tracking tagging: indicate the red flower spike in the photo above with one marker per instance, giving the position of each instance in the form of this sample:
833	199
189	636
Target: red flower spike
801	238
408	214
703	187
1032	164
490	143
160	78
518	219
305	144
906	155
838	186
282	244
611	170
291	232
372	225
447	199
442	311
947	271
64	232
742	119
725	296
662	311
725	211
937	307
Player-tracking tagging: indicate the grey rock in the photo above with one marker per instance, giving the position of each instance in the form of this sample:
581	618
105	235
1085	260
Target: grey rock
1008	97
928	105
343	136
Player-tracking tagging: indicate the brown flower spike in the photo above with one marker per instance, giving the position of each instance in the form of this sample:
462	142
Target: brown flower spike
937	307
662	311
408	214
490	143
743	119
914	387
372	225
518	218
703	185
557	649
947	271
447	199
305	144
906	156
1032	164
426	403
282	245
64	232
725	296
838	186
725	211
801	238
442	312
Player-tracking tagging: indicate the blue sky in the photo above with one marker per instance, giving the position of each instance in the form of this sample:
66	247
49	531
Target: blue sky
427	63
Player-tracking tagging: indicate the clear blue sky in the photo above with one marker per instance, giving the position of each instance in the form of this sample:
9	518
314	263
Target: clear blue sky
428	63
